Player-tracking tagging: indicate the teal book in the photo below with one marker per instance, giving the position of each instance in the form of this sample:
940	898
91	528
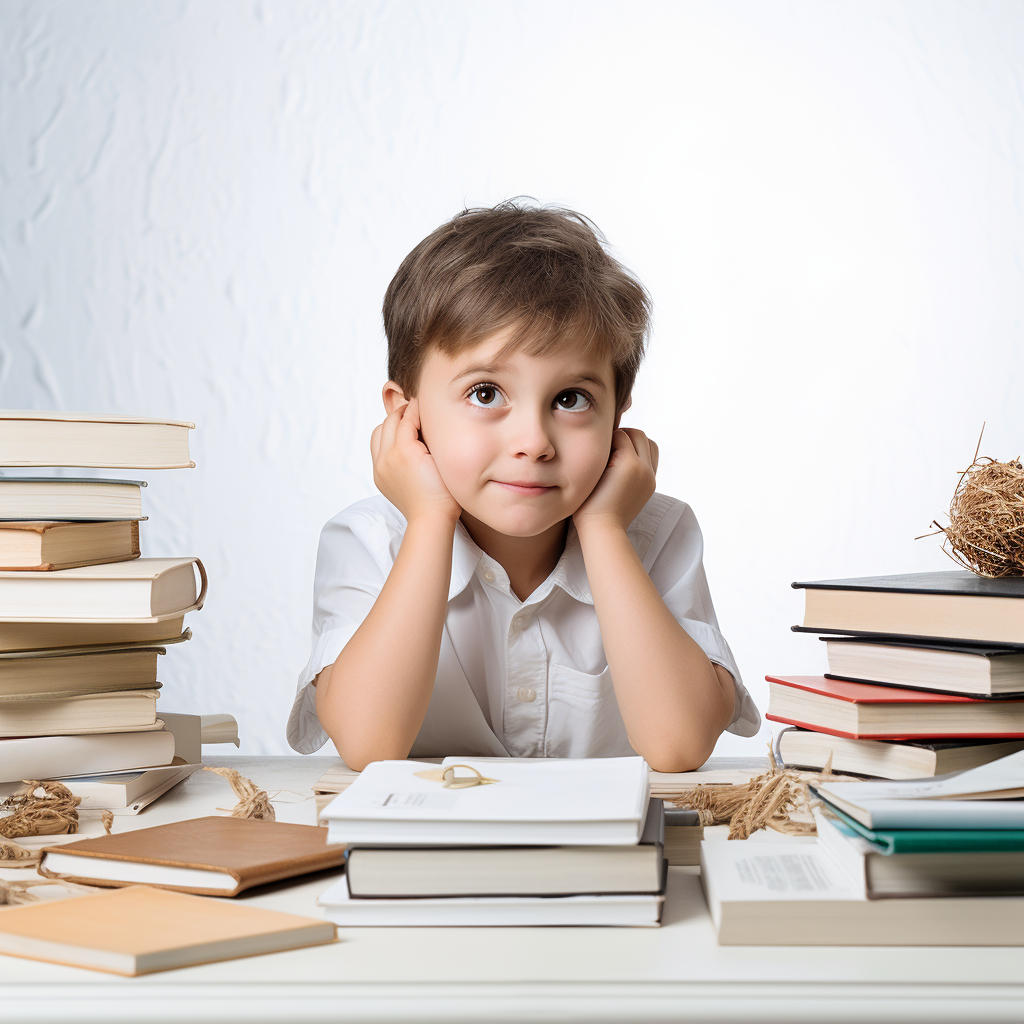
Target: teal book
932	840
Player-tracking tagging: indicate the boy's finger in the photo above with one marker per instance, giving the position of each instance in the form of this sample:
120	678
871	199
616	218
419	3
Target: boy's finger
389	428
375	442
654	457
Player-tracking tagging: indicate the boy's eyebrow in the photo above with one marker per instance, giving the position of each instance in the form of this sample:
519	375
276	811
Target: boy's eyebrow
492	368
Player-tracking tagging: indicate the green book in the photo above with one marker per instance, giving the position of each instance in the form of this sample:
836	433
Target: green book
933	840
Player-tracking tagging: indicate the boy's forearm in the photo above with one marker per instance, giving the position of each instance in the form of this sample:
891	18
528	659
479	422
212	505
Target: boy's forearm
673	702
374	698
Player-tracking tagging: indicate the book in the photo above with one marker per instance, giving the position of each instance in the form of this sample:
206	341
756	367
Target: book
533	802
140	929
593	910
985	797
74	670
145	588
932	840
881	873
866	710
36	438
46	546
118	711
970	669
43	635
213	856
131	791
954	605
889	759
50	757
683	836
421	871
793	894
69	499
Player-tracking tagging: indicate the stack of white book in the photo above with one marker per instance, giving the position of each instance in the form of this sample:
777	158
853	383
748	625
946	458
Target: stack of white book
545	843
84	620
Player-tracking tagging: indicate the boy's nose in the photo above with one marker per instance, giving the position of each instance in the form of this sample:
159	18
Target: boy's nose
531	438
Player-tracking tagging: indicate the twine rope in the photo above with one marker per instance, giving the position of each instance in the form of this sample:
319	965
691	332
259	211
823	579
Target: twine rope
778	799
53	813
253	802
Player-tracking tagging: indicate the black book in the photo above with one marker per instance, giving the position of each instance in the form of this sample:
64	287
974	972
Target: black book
952	605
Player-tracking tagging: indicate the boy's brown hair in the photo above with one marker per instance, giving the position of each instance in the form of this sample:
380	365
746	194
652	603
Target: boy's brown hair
541	271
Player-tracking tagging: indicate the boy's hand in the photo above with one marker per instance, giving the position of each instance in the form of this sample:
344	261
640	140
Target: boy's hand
404	470
626	485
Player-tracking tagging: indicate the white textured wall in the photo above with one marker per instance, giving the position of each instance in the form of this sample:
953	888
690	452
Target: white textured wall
201	205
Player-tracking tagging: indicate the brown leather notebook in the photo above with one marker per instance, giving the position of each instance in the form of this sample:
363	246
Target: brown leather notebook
208	856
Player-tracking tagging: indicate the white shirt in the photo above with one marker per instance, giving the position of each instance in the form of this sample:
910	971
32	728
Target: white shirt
514	678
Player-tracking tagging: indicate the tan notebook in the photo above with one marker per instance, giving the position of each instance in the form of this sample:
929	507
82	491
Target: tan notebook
40	438
210	856
65	714
43	546
139	930
74	670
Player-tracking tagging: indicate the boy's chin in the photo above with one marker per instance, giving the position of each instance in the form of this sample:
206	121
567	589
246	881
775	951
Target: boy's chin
521	527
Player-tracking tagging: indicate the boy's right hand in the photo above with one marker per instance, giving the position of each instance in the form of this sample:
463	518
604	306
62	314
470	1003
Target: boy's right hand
405	471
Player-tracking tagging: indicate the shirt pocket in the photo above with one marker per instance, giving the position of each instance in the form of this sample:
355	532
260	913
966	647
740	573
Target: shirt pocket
583	715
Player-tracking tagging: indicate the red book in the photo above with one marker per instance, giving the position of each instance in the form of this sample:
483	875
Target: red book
867	711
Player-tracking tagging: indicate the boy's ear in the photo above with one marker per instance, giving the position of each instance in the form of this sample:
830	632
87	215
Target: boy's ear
394	397
618	415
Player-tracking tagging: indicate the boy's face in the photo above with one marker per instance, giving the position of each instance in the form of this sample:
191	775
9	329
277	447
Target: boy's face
522	441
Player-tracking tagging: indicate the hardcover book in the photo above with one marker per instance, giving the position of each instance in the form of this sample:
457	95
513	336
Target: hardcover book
108	441
69	498
864	710
142	589
46	546
955	604
140	929
214	856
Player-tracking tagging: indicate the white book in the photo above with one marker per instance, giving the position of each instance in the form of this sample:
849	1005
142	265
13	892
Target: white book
597	801
494	911
142	589
980	797
50	757
70	498
43	438
794	894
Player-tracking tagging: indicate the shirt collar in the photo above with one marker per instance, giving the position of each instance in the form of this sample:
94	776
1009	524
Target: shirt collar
569	573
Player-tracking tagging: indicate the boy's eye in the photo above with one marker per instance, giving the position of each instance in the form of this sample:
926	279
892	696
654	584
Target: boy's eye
573	401
487	396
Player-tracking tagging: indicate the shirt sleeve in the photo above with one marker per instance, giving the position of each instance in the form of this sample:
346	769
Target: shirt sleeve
352	562
676	568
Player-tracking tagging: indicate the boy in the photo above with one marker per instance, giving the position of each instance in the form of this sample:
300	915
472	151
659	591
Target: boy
519	589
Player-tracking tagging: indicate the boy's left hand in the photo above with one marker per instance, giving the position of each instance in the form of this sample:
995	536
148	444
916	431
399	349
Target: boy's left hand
626	484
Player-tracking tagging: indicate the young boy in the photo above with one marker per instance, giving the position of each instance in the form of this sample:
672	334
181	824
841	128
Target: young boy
519	588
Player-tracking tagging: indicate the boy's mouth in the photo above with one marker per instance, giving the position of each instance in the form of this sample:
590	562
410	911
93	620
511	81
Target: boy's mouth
524	487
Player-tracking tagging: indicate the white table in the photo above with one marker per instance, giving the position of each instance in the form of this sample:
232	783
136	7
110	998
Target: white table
673	973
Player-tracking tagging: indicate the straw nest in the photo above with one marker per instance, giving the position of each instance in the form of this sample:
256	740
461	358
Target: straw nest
986	518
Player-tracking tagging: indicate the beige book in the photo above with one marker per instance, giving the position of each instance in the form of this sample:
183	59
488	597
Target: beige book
119	711
38	438
76	671
145	588
794	894
139	929
46	546
42	635
69	498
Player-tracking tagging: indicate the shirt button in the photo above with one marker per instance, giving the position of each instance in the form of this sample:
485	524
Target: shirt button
488	575
526	694
518	622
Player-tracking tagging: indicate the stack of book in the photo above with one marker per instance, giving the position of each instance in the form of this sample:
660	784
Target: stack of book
926	675
83	618
683	830
951	849
541	843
